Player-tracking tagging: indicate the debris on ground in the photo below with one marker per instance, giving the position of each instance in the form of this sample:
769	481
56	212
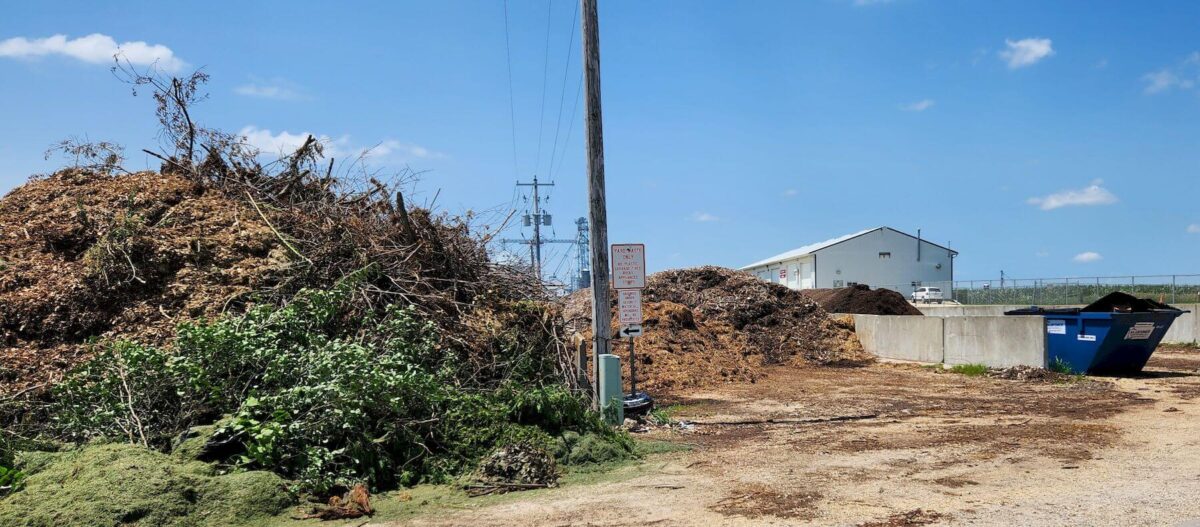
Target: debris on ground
711	325
860	299
355	503
519	466
758	500
906	519
1028	373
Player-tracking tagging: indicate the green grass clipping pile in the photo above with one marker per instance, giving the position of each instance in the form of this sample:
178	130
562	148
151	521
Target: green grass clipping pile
120	484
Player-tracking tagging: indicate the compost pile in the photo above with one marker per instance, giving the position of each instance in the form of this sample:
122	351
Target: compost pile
710	325
860	299
89	256
85	254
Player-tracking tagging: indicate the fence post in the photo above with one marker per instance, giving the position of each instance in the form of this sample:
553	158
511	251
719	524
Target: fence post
1173	289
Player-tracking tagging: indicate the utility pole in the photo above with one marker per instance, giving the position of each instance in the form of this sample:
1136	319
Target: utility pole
539	219
597	206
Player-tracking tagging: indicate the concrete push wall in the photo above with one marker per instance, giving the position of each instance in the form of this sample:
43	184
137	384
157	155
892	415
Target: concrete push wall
901	337
996	341
1185	329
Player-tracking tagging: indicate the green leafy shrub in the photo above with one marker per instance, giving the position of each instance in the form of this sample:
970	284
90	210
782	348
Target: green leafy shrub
326	399
127	391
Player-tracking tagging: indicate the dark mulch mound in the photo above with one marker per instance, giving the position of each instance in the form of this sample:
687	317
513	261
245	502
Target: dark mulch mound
862	300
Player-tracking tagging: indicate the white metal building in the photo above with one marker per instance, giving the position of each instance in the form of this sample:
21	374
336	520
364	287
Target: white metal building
881	257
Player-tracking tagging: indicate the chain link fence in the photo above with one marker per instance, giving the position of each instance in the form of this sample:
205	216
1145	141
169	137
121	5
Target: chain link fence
1172	289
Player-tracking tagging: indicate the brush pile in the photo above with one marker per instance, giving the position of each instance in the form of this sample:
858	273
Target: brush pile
711	325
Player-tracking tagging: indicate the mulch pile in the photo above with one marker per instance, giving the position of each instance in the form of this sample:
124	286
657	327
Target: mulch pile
710	325
862	300
86	255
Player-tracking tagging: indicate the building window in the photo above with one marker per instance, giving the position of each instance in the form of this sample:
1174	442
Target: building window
837	283
885	256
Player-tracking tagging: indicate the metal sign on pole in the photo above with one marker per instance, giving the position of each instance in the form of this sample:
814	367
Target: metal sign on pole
629	265
629	277
629	306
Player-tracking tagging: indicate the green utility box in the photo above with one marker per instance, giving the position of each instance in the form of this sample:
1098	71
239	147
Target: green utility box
612	397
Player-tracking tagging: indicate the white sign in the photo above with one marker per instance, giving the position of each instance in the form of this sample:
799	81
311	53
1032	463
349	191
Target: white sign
1056	327
1086	338
629	265
1140	331
634	330
629	306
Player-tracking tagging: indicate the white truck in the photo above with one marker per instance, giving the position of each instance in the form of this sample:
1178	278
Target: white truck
927	295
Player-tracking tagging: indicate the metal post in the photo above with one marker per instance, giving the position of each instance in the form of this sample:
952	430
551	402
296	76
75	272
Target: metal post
597	206
632	370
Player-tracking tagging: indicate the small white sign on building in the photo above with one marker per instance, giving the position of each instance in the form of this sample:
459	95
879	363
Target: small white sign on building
629	265
629	307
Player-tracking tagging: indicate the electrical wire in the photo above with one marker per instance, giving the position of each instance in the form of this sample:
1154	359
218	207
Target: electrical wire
512	111
537	160
570	125
563	91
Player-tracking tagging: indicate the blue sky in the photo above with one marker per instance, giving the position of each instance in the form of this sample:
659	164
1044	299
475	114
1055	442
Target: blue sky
1038	138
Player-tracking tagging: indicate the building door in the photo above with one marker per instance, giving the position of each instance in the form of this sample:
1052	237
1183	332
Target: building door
793	277
806	278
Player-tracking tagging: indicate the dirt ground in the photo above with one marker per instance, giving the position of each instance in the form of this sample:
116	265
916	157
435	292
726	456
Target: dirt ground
917	447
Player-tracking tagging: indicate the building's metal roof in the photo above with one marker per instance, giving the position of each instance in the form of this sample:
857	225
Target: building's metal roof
812	248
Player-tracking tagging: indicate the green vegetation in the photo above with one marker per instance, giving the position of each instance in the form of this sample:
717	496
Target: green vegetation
665	416
119	484
1061	366
1077	293
328	399
970	370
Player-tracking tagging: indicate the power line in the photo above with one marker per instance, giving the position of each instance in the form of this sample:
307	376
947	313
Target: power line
570	128
512	112
563	92
545	75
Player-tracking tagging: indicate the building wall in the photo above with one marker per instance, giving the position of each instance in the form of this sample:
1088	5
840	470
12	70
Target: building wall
858	260
796	273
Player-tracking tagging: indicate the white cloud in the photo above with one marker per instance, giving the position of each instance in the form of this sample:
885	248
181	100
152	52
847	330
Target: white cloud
285	142
278	89
1093	194
1183	76
1193	228
1026	52
790	192
703	217
1088	257
919	106
95	49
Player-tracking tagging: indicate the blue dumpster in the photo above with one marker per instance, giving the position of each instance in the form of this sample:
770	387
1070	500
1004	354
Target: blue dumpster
1114	335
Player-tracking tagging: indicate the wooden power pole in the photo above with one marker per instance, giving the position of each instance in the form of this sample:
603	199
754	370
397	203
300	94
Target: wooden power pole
597	207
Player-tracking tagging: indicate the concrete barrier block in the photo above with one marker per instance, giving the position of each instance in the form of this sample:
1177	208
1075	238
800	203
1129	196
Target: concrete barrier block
899	337
1186	328
995	341
940	311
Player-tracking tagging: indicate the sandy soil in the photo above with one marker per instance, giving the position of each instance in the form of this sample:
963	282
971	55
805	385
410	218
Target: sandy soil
921	448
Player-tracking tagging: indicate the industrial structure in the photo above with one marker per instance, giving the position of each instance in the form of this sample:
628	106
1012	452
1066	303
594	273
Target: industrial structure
881	257
537	218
